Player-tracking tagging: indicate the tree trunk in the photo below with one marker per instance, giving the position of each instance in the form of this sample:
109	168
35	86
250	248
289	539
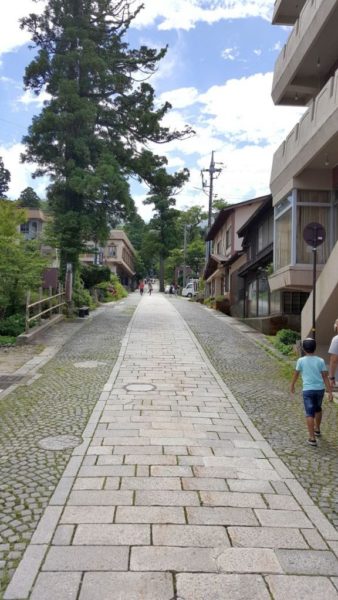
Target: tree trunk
161	273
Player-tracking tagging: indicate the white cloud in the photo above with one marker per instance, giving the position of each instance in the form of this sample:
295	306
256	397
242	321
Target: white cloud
21	174
11	36
180	98
28	98
230	53
258	52
184	14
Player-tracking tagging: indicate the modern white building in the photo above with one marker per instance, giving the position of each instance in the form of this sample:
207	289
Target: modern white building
304	177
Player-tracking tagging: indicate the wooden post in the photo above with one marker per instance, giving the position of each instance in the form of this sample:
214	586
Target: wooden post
27	311
40	305
50	291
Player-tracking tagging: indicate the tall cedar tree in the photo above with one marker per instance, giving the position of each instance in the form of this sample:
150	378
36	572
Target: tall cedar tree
164	226
29	199
5	178
92	133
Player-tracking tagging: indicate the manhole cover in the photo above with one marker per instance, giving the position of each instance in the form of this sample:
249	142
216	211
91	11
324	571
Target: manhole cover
140	387
89	364
60	442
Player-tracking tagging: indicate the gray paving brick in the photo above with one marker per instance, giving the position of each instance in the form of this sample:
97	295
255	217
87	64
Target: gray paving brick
283	518
308	562
267	537
220	516
85	558
281	502
63	535
114	535
166	498
190	535
127	586
89	483
248	485
138	449
238	499
159	471
171	558
26	572
314	540
61	586
218	587
88	514
203	483
147	514
107	471
249	560
290	586
100	498
150	483
152	459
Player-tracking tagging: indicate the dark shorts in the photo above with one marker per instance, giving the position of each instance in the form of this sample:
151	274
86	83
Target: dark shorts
313	401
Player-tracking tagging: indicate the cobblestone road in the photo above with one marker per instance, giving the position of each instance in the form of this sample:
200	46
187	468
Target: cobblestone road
173	492
258	383
59	402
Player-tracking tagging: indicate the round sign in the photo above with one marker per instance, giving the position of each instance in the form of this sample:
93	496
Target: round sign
314	234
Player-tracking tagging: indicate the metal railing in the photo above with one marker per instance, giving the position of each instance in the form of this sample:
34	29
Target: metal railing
47	305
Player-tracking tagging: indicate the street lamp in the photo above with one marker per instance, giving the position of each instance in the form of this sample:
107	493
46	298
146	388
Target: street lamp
314	235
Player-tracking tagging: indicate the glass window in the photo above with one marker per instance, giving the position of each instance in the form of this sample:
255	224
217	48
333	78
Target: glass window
293	302
275	302
306	215
252	299
265	233
228	238
263	297
313	196
24	228
283	240
112	251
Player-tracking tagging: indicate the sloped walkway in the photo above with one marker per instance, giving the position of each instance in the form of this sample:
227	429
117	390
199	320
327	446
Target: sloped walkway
174	494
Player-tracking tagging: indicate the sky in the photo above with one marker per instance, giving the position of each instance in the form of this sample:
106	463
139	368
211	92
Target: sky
217	74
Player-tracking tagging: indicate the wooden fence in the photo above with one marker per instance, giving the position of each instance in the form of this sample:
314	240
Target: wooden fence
45	307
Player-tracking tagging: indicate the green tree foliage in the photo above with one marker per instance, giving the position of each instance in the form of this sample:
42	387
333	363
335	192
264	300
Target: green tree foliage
196	255
91	275
21	264
5	178
90	135
164	226
29	199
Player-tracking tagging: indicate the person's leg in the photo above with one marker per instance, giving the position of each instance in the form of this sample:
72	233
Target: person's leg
318	420
310	427
318	412
310	409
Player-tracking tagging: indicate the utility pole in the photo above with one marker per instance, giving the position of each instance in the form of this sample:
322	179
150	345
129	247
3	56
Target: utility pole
185	256
213	172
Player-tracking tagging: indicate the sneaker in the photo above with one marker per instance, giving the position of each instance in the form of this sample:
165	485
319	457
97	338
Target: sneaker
317	433
312	442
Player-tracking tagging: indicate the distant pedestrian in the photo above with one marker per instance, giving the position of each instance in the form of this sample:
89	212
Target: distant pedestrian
315	380
141	287
150	287
333	352
172	289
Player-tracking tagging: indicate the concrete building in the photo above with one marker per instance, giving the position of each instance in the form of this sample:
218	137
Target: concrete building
118	254
227	256
304	177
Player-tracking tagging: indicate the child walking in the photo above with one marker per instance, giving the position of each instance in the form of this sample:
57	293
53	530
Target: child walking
315	380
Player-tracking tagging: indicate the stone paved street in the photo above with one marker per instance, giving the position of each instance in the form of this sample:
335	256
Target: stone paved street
57	400
173	493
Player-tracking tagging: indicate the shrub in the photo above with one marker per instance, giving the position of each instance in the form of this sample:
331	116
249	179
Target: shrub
13	325
81	296
112	290
7	340
92	275
222	304
285	340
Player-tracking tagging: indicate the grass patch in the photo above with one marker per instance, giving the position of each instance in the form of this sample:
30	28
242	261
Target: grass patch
7	340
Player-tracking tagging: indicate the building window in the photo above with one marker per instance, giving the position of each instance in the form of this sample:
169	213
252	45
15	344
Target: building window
263	297
293	302
112	251
252	299
312	207
283	239
265	234
24	228
228	238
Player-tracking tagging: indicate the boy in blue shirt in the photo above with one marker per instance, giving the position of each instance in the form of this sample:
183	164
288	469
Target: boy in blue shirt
315	379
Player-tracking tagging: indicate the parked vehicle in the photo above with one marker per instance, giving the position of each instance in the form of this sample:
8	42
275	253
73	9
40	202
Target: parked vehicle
190	289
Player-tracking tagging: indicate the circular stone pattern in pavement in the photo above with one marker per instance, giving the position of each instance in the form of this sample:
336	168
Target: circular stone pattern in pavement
140	387
89	364
60	442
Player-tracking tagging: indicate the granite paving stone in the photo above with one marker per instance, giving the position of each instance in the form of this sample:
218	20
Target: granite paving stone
295	586
173	492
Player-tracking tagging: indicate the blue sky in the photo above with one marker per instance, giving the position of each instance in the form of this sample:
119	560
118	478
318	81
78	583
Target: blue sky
217	74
